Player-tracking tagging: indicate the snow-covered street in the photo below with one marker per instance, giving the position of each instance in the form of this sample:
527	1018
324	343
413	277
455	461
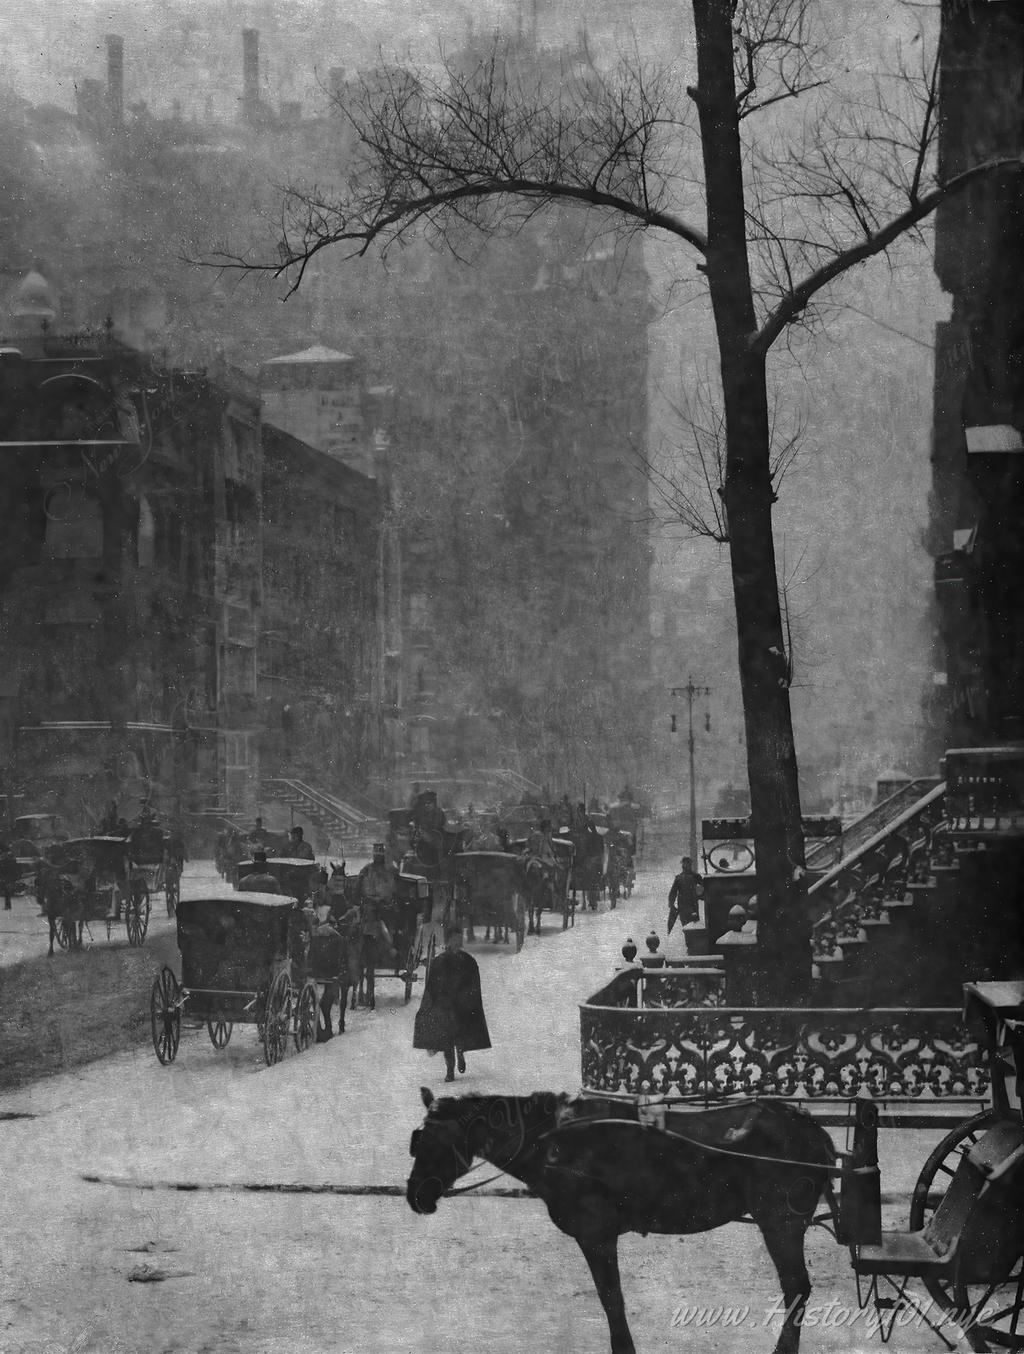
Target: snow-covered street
322	1272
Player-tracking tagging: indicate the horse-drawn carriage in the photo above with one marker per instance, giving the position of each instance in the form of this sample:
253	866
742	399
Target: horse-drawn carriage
590	861
490	891
243	961
155	864
91	879
608	1163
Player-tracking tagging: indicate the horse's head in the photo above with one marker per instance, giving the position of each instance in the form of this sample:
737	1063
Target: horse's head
439	1152
337	871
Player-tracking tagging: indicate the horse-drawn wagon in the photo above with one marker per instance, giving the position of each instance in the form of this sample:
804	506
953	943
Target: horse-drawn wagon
243	961
90	879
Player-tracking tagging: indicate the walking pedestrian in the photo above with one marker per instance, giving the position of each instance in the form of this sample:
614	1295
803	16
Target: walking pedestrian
451	1017
682	896
10	873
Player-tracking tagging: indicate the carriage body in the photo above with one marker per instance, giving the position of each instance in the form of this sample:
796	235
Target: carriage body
490	891
965	1245
297	877
243	961
231	949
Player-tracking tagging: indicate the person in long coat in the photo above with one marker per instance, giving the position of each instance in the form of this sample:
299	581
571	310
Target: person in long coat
451	1016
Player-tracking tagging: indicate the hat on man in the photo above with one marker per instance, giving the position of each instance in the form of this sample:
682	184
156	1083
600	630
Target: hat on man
378	849
259	856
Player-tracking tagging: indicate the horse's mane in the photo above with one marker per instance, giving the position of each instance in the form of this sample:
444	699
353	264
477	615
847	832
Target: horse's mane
545	1103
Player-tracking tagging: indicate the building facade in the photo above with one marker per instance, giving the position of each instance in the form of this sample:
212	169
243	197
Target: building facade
130	585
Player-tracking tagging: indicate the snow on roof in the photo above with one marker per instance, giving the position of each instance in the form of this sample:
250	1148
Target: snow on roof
318	353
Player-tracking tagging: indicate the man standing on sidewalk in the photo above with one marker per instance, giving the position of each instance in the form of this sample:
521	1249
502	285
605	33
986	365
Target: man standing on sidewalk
682	896
451	1016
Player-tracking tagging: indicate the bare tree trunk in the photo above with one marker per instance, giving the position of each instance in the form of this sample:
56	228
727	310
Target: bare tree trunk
784	933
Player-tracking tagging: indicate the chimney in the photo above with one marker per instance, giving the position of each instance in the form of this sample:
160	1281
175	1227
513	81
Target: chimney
250	73
115	79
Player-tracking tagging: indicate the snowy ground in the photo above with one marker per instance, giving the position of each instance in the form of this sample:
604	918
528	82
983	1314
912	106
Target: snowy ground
319	1272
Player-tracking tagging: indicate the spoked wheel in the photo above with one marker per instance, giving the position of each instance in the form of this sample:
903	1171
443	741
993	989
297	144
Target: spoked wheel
307	1012
219	1032
136	912
165	1015
65	933
172	890
412	963
519	904
999	1307
277	1019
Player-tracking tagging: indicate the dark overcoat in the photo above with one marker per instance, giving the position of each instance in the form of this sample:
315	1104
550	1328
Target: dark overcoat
452	1009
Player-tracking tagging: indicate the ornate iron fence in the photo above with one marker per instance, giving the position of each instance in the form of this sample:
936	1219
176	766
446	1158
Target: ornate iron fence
923	1056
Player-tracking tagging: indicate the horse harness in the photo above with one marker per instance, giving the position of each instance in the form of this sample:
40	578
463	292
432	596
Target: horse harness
706	1135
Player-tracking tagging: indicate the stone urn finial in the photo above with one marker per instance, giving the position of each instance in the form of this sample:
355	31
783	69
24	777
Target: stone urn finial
629	950
737	917
653	959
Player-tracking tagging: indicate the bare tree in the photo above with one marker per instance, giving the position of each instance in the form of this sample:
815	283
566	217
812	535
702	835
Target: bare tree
778	210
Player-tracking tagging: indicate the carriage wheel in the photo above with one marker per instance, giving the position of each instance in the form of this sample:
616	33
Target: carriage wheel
520	920
64	933
1003	1303
277	1018
165	1015
136	912
219	1032
172	891
307	1013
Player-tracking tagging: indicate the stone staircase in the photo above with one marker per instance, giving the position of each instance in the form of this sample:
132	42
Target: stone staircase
825	854
352	828
883	916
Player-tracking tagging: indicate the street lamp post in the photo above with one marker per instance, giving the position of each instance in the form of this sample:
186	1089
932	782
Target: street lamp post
689	691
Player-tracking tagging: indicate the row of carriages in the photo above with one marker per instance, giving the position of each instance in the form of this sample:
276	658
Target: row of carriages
253	958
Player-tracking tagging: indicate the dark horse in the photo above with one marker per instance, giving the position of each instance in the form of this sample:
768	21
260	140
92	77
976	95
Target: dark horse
600	1177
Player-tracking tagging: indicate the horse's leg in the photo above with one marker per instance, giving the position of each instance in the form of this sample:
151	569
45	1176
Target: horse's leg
53	932
603	1259
785	1241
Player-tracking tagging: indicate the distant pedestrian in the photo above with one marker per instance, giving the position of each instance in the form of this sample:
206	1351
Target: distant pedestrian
683	895
451	1017
298	847
10	873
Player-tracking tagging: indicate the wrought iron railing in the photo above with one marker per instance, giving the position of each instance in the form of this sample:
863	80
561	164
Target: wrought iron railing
985	791
860	888
823	855
922	1055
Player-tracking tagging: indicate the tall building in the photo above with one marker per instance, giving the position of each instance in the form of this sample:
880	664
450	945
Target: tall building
978	450
129	575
